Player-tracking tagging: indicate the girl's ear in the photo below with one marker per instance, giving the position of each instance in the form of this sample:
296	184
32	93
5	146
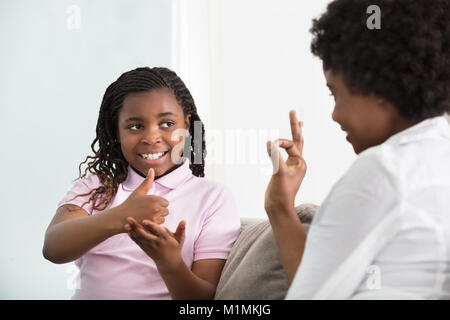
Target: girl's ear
187	122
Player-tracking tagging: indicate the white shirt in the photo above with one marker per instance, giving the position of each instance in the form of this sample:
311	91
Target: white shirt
383	232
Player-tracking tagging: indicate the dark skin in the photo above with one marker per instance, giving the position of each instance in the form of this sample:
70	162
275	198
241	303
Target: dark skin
147	123
160	116
368	120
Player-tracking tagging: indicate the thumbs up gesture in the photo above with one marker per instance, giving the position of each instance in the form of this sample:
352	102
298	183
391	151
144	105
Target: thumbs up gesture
141	206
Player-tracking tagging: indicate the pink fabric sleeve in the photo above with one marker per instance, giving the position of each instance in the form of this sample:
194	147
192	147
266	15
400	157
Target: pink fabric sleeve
220	229
81	186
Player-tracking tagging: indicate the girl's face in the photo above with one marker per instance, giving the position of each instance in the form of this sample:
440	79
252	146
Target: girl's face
367	120
148	129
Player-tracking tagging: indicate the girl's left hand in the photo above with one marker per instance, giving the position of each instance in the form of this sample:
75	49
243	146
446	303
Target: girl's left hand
158	242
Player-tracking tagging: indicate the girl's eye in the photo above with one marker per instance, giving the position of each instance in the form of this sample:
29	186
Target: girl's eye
167	124
135	126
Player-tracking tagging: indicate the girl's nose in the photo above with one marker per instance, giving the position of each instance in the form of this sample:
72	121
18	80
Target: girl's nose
152	136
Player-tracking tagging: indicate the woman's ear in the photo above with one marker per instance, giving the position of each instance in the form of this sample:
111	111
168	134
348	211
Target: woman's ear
380	101
385	104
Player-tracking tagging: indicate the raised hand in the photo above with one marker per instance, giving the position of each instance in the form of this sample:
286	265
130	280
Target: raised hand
141	206
158	242
287	176
280	197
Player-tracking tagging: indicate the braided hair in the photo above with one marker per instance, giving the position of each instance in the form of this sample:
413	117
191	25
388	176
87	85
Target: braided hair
108	162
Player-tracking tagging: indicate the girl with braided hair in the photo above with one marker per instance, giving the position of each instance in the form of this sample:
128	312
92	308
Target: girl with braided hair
145	179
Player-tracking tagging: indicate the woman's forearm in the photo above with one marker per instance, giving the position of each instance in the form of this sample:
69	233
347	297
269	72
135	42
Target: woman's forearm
290	237
70	239
183	284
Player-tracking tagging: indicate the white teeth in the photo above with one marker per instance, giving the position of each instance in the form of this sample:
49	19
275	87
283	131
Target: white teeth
152	156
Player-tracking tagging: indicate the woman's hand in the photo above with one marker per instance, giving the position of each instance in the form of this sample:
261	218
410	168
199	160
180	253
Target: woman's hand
158	242
280	198
287	176
141	206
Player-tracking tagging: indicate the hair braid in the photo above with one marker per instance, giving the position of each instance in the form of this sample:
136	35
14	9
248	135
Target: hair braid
185	99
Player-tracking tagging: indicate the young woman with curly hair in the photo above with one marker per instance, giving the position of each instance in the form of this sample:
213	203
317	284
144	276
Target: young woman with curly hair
383	231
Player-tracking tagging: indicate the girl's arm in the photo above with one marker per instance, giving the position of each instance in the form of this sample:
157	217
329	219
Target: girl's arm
73	231
164	247
197	284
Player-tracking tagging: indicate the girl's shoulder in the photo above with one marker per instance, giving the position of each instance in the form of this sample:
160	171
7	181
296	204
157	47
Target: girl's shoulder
91	181
204	185
80	191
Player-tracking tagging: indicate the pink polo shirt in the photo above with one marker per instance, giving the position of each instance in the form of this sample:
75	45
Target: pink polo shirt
118	269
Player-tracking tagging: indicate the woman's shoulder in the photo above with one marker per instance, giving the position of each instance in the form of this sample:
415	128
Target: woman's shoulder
376	166
394	160
383	157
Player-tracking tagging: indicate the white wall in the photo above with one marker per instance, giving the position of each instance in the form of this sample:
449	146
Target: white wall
54	73
247	64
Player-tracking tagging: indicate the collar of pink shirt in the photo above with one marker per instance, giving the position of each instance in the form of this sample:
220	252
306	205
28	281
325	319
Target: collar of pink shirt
171	180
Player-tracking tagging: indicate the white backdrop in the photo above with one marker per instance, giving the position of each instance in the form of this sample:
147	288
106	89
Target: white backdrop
246	62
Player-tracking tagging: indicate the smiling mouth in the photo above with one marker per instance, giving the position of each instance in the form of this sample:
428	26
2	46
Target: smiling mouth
152	156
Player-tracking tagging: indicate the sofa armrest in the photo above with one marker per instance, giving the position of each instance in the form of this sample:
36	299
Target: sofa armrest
253	269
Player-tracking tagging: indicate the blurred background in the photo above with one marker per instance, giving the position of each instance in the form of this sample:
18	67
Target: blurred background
247	63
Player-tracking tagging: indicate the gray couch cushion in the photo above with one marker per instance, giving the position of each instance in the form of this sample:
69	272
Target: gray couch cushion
253	269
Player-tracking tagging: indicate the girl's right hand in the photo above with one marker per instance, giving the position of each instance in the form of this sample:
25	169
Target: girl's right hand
141	206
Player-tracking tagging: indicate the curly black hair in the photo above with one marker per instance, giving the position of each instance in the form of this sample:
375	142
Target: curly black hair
406	61
108	162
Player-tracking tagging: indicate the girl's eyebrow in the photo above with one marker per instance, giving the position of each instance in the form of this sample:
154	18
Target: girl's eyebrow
163	114
160	115
134	119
